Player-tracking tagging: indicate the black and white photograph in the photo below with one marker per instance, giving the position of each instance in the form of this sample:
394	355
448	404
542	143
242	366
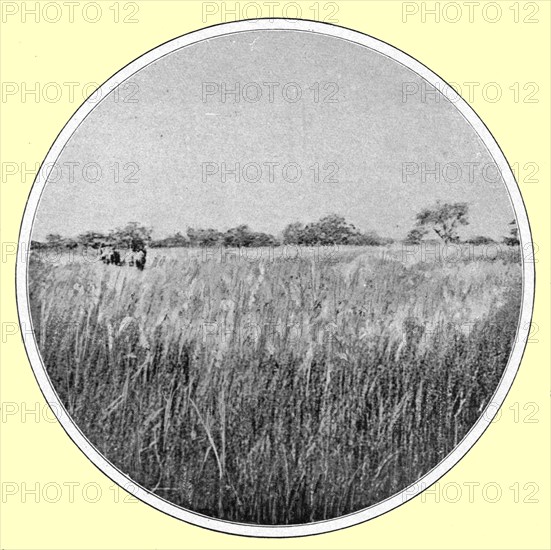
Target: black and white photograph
276	275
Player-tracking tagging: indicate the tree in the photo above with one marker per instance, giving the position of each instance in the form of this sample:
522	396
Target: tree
444	219
512	239
92	239
70	244
243	236
193	236
369	238
204	237
177	240
174	241
264	239
292	233
37	245
54	240
327	231
335	229
133	236
415	236
240	236
480	240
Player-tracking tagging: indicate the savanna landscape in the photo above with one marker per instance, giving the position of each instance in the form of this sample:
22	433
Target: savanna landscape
275	309
279	384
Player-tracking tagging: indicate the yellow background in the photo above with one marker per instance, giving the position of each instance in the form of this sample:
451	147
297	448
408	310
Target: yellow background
514	450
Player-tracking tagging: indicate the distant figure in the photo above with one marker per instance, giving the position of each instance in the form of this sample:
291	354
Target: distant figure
116	257
139	258
135	257
105	253
110	255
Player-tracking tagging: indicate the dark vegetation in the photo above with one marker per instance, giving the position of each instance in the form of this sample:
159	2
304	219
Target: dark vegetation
441	220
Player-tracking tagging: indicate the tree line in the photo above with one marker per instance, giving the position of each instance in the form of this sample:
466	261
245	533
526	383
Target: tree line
442	221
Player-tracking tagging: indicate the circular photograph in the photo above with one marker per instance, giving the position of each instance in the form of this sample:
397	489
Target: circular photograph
278	277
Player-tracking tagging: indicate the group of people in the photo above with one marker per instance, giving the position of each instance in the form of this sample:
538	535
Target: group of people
134	257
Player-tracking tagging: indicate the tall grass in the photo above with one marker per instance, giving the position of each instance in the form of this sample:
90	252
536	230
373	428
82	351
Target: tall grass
275	391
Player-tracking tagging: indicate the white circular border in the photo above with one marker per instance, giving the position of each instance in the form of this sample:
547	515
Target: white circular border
242	528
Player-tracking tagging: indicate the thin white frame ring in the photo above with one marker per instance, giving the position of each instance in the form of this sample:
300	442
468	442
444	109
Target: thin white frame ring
277	530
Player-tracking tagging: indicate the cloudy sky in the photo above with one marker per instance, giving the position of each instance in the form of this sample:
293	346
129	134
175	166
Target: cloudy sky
162	149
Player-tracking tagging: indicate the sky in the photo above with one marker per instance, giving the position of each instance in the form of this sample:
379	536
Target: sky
160	150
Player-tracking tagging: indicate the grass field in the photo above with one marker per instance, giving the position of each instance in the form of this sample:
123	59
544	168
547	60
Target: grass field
279	388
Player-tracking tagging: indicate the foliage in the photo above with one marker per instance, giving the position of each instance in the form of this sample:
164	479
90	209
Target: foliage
512	239
415	236
204	237
480	240
55	240
292	234
240	236
177	240
329	230
132	235
92	239
444	219
243	236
